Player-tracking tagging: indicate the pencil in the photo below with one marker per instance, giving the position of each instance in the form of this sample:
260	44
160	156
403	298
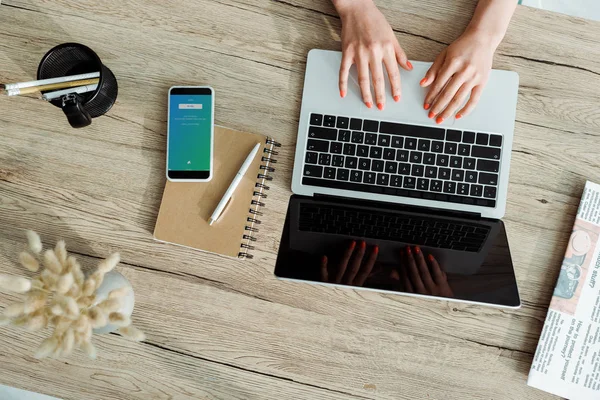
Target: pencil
60	79
62	85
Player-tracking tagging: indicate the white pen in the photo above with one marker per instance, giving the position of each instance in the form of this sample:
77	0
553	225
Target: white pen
234	184
78	89
60	79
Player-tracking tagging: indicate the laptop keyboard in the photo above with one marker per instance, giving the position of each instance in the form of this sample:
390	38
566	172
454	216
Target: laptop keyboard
447	234
402	160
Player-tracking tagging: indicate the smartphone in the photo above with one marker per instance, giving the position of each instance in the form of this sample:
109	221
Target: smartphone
190	133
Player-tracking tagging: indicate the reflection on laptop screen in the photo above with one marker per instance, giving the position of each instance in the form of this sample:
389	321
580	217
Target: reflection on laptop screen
397	250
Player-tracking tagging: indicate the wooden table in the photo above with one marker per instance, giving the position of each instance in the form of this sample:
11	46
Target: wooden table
224	328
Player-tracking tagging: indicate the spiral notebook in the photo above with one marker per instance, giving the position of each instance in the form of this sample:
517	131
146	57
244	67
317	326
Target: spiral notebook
187	206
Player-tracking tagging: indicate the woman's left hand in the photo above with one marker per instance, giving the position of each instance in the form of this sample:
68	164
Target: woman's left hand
460	70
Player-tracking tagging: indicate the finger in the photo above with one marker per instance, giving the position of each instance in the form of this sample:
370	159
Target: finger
364	82
344	262
324	272
355	264
433	72
424	270
347	60
446	95
404	276
378	81
436	271
473	100
438	85
457	101
391	66
368	267
413	273
401	57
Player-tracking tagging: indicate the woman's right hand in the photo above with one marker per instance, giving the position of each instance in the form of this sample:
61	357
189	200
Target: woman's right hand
368	41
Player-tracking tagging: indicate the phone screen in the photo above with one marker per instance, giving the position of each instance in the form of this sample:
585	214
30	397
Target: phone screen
190	133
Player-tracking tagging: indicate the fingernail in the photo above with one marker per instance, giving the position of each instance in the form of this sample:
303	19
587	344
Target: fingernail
342	93
431	114
376	249
426	106
409	65
396	98
324	259
423	81
408	250
352	244
369	104
439	120
417	250
362	244
458	116
380	106
430	257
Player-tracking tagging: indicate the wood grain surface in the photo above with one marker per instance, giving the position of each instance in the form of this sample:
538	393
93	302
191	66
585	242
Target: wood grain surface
220	328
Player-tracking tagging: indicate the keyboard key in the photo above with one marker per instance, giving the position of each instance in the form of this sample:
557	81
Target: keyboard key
316	119
342	122
317	145
376	152
442	160
453	136
369	177
342	174
423	184
424	144
410	144
463	189
324	159
482	138
370	126
402	155
456	162
338	161
335	147
391	167
476	190
357	137
389	154
314	171
349	149
488	179
351	162
383	140
437	147
450	148
416	157
449	187
436	186
370	138
315	132
417	170
469	137
356	124
471	177
329	121
495	140
488	165
485	152
464	150
356	176
404	169
377	165
344	136
364	164
429	159
409	130
409	182
469	163
311	158
458	175
397	142
489	192
396	181
383	179
329	173
431	172
444	173
362	151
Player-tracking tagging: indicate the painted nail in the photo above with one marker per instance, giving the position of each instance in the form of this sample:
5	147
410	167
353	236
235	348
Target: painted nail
408	250
324	259
439	120
369	104
353	244
376	250
458	116
430	257
409	65
426	106
431	114
362	244
417	250
380	106
423	81
396	98
342	93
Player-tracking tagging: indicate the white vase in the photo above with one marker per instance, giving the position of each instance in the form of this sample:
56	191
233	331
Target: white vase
114	280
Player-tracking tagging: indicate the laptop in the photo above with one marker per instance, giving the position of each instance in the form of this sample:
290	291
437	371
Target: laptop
389	201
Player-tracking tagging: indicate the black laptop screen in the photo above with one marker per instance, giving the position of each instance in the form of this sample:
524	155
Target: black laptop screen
397	249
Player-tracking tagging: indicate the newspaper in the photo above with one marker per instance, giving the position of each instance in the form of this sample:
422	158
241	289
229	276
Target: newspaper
567	359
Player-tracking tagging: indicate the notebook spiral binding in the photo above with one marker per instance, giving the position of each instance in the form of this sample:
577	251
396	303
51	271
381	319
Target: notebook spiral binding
259	194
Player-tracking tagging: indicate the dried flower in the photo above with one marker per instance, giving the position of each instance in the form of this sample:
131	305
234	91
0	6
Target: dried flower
81	324
14	310
49	278
109	264
118	293
70	306
36	321
35	300
98	278
119	319
15	284
64	283
47	347
89	349
51	262
61	252
35	243
89	287
110	305
68	340
132	333
29	262
98	318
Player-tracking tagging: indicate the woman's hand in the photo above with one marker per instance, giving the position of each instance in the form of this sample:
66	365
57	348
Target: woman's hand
367	41
423	277
354	268
460	70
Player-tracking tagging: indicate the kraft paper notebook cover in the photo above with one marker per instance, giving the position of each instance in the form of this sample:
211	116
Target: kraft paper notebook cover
187	206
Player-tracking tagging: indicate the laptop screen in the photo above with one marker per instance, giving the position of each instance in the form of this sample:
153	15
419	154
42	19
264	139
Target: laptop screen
397	249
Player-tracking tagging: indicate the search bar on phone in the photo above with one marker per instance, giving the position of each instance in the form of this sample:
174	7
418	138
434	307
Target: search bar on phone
190	106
